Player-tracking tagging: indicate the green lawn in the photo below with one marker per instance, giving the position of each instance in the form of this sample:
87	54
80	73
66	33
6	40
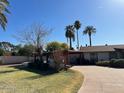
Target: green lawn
14	80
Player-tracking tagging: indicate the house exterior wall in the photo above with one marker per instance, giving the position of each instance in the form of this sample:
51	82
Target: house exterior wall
120	55
113	55
73	57
93	57
103	56
87	56
100	56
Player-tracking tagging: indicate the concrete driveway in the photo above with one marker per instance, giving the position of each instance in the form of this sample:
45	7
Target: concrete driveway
101	79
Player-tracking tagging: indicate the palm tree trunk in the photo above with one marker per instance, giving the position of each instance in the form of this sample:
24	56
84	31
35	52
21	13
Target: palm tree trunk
67	41
77	40
90	40
70	43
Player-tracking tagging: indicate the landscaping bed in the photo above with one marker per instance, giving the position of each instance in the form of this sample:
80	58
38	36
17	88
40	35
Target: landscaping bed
15	80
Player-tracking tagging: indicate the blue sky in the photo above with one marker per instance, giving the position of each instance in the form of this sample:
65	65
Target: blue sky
106	16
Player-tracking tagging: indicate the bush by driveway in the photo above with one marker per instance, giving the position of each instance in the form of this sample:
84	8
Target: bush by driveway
117	63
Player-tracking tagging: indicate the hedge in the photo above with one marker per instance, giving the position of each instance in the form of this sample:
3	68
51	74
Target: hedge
103	63
116	63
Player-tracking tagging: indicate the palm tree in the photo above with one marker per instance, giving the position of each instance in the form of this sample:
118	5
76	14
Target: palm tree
89	30
66	35
3	10
77	26
70	34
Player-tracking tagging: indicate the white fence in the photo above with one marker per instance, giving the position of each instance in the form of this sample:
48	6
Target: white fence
14	59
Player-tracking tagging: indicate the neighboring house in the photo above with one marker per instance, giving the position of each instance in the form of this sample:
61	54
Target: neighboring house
97	53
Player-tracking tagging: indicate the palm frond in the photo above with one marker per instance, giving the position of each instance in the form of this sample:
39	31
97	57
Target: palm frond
3	20
89	30
3	10
5	2
3	25
77	24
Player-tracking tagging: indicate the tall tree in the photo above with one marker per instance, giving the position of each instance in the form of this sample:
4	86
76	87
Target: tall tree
33	35
89	30
70	34
3	10
66	35
77	26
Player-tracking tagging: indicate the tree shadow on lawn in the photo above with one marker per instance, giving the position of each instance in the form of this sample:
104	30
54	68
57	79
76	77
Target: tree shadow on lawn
41	73
10	71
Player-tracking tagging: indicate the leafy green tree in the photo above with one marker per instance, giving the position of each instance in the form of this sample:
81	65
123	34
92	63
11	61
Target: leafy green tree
70	34
77	26
64	46
89	30
52	46
15	50
3	10
27	50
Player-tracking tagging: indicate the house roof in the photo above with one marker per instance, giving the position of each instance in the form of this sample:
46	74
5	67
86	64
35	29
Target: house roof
74	52
107	48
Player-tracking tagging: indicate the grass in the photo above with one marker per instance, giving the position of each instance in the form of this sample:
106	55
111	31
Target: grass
14	80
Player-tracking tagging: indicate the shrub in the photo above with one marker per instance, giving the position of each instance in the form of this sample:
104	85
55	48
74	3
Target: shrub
61	66
103	63
57	66
27	50
118	63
